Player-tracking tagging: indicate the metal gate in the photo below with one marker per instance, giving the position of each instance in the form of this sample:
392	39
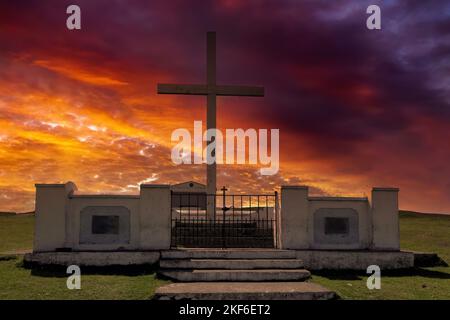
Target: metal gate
237	221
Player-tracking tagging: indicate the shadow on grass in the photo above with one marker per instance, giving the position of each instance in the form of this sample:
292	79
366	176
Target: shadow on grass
358	275
420	272
339	274
7	257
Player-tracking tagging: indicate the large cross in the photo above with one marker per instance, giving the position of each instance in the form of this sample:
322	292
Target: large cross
211	90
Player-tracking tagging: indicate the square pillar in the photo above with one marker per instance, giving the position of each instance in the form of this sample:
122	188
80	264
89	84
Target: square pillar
155	217
51	215
294	217
386	229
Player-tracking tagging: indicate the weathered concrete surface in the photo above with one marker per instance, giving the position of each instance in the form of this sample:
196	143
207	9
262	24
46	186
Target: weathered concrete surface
386	227
374	226
231	263
312	259
294	217
93	258
357	210
229	254
80	229
355	260
244	291
237	275
51	213
154	214
87	237
309	259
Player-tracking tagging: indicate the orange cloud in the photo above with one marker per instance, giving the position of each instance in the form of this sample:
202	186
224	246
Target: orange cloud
73	107
78	73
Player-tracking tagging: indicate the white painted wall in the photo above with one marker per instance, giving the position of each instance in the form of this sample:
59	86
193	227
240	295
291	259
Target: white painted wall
360	205
386	231
79	202
155	217
58	211
58	218
294	217
378	223
51	211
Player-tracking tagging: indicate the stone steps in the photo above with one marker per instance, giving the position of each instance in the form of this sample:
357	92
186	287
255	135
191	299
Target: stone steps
214	275
244	291
237	274
207	265
243	264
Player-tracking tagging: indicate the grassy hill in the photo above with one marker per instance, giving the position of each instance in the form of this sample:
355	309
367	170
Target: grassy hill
16	232
419	232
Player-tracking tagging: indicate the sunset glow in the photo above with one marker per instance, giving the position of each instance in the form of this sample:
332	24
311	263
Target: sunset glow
355	108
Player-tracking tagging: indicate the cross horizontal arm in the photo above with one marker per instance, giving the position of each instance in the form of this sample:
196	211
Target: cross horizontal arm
239	91
195	89
199	89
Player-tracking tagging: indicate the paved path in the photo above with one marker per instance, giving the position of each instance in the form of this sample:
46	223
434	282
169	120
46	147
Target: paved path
244	291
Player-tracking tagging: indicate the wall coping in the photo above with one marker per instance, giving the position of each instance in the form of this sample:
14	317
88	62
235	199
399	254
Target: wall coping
49	185
338	199
294	187
155	186
69	186
103	196
385	189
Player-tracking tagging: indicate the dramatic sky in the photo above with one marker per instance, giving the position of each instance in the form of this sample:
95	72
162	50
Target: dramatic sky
356	108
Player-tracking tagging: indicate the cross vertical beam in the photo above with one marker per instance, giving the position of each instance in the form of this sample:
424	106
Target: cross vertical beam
211	90
211	168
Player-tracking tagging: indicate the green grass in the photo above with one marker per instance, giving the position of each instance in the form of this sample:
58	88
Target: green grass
16	232
426	232
17	282
429	233
418	232
20	283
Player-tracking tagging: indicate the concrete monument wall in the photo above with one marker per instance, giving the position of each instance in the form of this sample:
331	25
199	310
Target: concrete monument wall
355	210
97	205
339	223
68	221
155	217
51	212
294	217
386	232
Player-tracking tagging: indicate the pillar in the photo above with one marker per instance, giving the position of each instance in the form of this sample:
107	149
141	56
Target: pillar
51	215
385	229
294	217
155	216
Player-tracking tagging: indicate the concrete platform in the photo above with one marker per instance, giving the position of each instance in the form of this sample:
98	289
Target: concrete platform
244	291
354	259
231	264
236	275
94	259
312	259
